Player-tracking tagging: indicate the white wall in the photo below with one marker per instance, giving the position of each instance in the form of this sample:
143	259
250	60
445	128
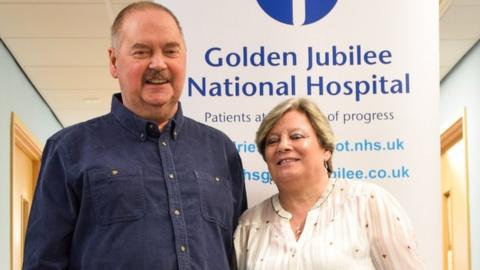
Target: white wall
19	96
461	88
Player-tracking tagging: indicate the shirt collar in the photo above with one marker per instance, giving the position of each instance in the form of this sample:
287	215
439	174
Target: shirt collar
143	128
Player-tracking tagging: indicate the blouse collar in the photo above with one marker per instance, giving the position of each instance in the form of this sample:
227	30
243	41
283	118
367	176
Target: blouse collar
277	206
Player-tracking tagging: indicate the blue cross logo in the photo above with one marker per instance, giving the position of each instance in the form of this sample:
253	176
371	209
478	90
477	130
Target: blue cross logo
294	12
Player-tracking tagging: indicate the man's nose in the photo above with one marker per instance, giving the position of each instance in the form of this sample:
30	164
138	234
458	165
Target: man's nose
157	62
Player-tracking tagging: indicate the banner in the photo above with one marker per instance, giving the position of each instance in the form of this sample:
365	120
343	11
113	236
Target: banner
371	66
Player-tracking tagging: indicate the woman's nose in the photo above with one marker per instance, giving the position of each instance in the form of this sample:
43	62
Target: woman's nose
284	145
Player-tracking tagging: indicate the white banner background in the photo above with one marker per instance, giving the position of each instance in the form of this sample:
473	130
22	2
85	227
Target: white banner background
402	149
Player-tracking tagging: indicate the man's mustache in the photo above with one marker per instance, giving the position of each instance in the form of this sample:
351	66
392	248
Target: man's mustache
153	74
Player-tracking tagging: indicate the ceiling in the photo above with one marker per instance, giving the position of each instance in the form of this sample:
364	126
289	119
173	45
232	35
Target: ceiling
62	47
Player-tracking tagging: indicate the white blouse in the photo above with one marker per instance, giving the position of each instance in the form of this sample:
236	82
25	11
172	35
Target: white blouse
354	225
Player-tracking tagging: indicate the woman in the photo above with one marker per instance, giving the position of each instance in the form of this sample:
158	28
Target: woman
314	222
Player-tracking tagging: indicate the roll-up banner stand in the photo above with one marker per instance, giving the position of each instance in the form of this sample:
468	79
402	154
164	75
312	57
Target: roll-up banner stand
371	66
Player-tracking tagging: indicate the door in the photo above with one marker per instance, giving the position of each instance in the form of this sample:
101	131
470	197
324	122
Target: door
25	164
455	201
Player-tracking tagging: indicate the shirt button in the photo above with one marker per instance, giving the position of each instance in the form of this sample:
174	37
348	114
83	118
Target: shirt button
183	248
171	176
176	212
114	172
164	143
142	136
217	179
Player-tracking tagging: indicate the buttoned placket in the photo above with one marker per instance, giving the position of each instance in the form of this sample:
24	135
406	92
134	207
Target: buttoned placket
174	200
293	246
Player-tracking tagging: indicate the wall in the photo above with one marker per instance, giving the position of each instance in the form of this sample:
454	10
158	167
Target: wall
17	95
459	89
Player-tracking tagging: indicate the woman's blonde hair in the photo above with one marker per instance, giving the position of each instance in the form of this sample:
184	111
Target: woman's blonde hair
317	119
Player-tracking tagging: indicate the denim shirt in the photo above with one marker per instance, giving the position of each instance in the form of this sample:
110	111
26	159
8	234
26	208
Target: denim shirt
116	193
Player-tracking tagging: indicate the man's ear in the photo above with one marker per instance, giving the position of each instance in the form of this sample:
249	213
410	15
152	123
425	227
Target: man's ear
112	62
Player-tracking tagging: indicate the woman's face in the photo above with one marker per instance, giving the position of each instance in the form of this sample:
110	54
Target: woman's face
292	150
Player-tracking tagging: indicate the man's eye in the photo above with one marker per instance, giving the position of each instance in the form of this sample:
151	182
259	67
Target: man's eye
139	53
172	52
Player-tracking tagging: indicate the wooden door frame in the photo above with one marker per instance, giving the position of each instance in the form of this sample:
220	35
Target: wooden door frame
20	136
455	132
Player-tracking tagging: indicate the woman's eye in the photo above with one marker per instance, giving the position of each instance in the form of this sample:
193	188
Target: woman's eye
271	141
296	136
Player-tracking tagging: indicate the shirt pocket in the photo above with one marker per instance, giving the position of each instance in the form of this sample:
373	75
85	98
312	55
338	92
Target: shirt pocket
216	199
118	194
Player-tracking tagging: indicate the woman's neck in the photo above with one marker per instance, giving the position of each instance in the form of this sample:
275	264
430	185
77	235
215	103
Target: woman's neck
301	200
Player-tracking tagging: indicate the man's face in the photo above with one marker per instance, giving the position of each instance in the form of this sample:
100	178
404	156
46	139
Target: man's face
149	59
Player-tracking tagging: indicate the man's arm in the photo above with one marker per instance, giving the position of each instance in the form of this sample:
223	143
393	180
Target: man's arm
53	214
238	183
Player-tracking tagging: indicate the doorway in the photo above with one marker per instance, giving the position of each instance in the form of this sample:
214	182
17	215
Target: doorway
455	199
25	165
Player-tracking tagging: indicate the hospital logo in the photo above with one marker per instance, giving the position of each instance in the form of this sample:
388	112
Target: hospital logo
297	12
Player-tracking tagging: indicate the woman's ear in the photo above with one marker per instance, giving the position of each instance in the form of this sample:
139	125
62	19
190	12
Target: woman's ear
327	155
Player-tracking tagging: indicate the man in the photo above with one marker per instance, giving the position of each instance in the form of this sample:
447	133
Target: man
142	187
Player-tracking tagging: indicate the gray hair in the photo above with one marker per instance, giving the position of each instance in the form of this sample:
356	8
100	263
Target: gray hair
137	6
